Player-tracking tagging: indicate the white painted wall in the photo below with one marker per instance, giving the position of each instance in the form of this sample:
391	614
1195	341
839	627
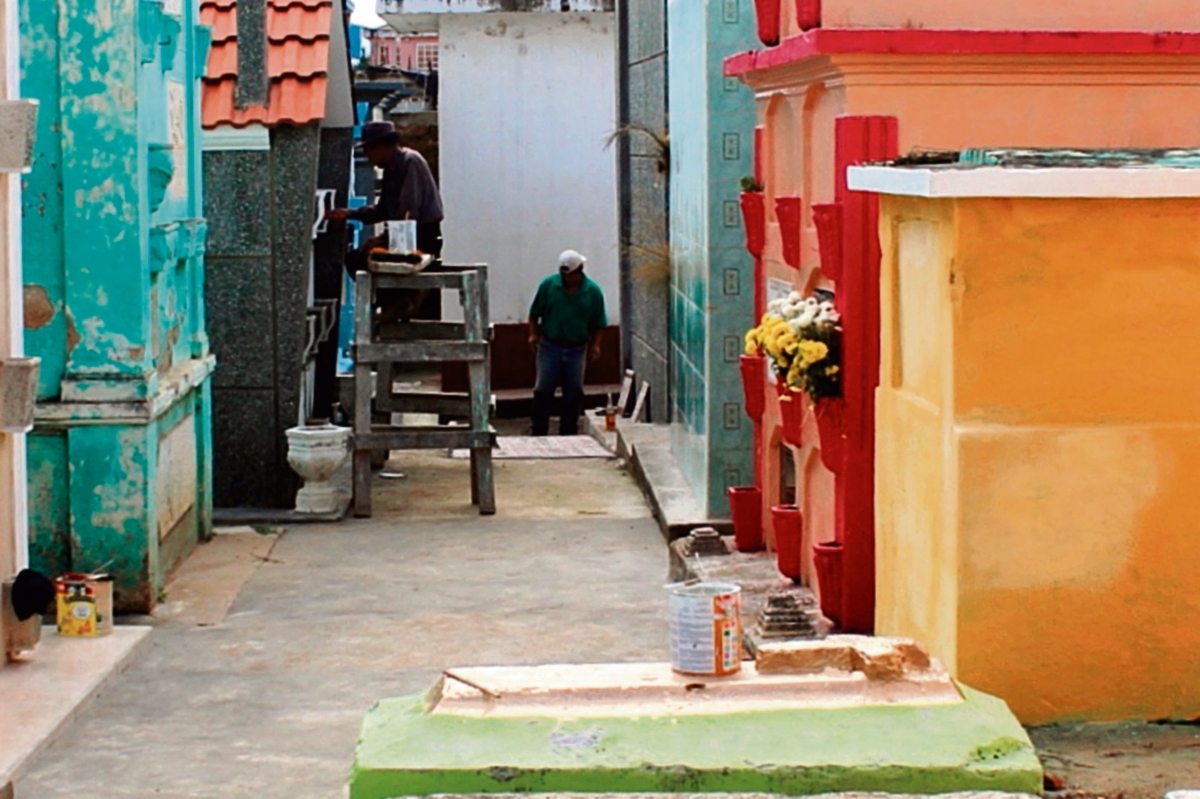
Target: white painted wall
527	102
14	533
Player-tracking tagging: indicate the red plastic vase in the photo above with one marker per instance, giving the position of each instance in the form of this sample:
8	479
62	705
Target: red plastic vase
787	211
754	384
788	524
808	14
791	410
745	506
754	216
827	560
827	217
768	13
831	412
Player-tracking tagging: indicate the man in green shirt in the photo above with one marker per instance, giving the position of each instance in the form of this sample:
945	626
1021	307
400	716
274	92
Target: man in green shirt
565	321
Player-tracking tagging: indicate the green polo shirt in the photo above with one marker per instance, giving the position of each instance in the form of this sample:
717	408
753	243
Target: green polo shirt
568	319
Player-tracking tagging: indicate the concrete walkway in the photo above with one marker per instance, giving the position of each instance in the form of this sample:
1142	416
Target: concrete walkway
266	702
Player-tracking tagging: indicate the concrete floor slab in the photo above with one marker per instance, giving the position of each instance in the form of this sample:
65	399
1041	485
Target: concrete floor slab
973	745
204	587
268	703
43	692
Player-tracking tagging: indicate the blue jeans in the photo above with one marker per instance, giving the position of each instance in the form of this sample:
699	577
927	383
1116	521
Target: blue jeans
557	365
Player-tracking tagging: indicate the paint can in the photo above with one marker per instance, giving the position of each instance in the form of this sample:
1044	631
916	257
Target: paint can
84	604
706	628
402	236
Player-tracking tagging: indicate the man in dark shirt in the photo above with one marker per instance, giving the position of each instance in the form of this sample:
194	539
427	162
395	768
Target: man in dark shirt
565	322
408	190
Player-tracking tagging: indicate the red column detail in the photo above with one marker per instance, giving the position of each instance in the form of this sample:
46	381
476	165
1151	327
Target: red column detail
858	140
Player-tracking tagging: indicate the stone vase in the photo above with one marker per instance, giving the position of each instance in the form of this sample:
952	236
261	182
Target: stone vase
316	452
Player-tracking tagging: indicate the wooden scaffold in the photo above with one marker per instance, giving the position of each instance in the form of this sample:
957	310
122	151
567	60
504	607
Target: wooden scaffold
376	351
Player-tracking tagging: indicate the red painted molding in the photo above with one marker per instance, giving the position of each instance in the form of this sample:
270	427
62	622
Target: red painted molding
908	41
827	217
788	211
759	132
859	140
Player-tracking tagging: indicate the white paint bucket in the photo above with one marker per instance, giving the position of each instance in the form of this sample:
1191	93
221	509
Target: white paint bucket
402	236
706	628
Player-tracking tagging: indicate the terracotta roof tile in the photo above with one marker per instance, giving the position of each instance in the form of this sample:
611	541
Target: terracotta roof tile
292	101
292	57
222	21
297	62
300	22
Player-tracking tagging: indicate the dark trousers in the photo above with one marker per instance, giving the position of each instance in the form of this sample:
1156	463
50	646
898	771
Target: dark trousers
559	364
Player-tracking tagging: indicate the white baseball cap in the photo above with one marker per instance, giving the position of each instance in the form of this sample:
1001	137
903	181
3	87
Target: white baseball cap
570	261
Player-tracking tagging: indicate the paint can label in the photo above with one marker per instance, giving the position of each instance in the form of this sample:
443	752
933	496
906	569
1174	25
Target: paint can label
706	629
84	604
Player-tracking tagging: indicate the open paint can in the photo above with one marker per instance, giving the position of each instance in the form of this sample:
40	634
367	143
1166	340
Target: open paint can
85	604
706	628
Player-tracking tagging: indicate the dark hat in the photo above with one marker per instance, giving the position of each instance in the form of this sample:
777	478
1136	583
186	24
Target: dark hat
379	133
32	592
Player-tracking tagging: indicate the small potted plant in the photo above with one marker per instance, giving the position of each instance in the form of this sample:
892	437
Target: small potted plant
754	216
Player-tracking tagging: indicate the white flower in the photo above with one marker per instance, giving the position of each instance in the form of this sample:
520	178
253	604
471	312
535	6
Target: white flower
795	296
827	306
805	319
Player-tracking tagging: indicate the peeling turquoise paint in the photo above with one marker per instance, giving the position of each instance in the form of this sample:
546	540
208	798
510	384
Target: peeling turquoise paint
114	243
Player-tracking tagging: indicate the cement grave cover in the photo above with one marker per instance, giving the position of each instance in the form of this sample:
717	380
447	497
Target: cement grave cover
526	731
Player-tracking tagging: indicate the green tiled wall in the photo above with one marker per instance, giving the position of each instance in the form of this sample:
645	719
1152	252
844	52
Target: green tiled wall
712	124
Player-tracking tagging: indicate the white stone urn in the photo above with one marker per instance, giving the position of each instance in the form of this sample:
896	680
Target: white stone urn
316	452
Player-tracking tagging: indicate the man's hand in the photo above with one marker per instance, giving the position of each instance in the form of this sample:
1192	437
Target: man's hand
337	214
594	351
534	339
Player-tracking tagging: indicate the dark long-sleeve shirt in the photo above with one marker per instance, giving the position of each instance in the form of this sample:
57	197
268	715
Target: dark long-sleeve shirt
408	192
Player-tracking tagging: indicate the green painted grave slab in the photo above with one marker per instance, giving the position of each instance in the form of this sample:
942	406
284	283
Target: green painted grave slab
977	745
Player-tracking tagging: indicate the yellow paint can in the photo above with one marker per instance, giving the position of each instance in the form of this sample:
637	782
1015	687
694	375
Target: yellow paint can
85	604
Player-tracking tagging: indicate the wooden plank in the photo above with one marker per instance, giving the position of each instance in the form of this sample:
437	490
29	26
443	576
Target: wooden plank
362	483
425	402
424	438
421	352
422	331
421	280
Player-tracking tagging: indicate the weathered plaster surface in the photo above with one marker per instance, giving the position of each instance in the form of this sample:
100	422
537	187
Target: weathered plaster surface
974	745
1036	502
113	291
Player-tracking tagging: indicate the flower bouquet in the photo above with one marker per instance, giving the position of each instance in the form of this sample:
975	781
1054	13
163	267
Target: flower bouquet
802	339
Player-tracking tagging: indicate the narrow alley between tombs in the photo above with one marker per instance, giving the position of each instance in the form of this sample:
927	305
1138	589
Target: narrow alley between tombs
265	699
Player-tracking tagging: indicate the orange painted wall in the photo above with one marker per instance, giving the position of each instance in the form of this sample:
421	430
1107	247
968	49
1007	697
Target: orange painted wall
1060	15
945	102
1039	452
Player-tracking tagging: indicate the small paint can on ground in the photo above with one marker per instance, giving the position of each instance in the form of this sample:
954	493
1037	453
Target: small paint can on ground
84	604
706	628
